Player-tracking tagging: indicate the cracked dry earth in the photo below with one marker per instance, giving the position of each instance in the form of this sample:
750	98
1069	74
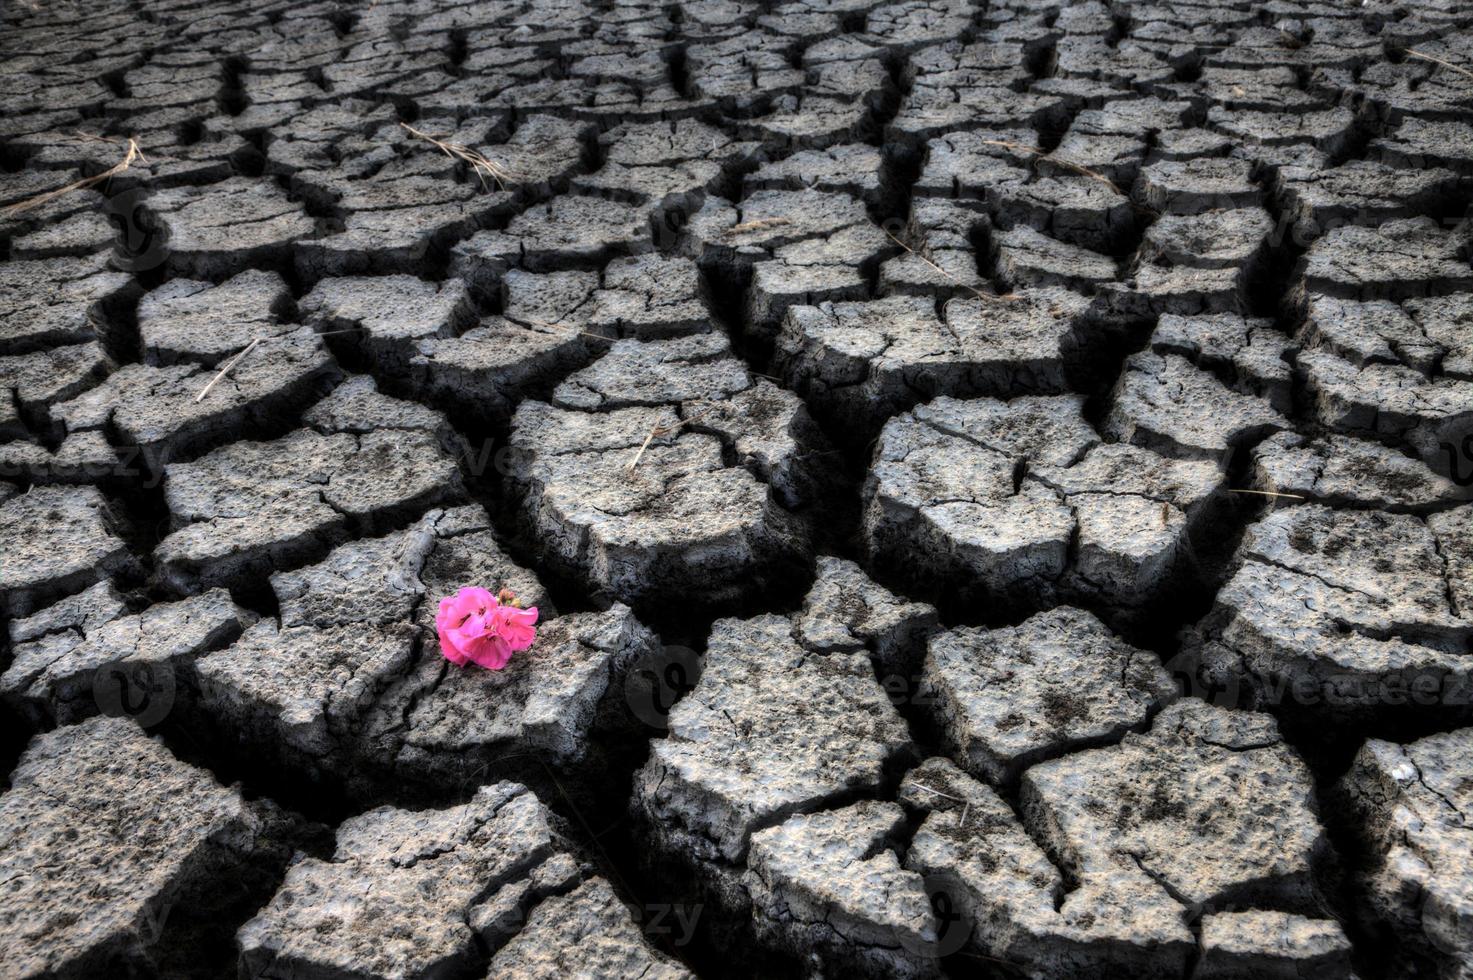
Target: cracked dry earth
994	475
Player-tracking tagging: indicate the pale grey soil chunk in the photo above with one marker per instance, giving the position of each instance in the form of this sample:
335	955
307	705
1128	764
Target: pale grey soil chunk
431	337
968	99
487	370
158	409
1060	681
444	723
768	428
1394	372
350	627
63	677
649	296
1420	143
968	164
1398	260
801	246
1344	472
657	372
1210	803
1216	239
663	165
249	506
1411	805
1360	192
770	729
1453	530
56	541
1029	258
1446	321
1343	612
1269	134
72	224
351	681
386	314
1135	839
295	694
1014	903
847	611
111	844
397	208
988	495
394	898
1195	186
216	229
83	457
852	169
1271	945
185	320
865	362
940	256
33	382
680	518
827	881
1428	335
1077	210
79	614
571	230
389	579
1167	404
1390	402
1153	291
54	301
1248	354
588	932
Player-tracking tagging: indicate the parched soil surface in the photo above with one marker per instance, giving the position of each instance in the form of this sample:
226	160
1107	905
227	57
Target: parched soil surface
994	475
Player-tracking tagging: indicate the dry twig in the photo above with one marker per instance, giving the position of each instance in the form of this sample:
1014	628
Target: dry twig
562	327
290	329
757	223
985	297
1270	493
937	792
482	165
659	431
1446	64
1042	154
134	153
226	369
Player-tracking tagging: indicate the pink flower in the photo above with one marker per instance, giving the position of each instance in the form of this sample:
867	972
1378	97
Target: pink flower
474	627
516	626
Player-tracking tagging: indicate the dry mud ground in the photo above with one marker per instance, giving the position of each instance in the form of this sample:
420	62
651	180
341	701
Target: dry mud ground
994	477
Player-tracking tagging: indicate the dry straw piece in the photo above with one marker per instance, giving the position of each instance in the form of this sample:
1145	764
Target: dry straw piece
1446	64
660	430
1270	493
563	327
1042	154
226	369
134	153
228	365
986	297
757	224
482	165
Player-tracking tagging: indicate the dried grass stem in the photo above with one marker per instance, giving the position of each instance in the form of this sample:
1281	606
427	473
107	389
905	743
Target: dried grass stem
480	164
134	153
